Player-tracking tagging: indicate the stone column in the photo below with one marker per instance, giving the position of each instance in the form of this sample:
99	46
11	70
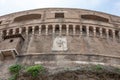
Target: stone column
107	33
81	30
101	32
113	35
46	29
67	29
53	29
94	31
20	30
14	31
60	30
40	29
33	30
26	30
7	32
74	30
87	27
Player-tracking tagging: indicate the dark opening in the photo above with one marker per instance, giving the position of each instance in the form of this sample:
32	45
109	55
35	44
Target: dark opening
27	17
77	28
59	15
97	31
110	33
70	29
104	32
63	29
43	29
30	29
17	31
84	29
57	29
91	31
11	40
94	17
50	28
0	22
117	33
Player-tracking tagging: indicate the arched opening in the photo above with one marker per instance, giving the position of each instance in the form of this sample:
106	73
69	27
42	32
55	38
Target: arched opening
97	31
4	33
30	30
104	33
10	32
50	29
70	29
57	29
64	29
117	34
43	29
23	30
77	29
17	31
84	30
110	33
91	31
36	29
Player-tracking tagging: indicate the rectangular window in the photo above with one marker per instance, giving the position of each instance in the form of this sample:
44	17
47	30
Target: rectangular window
59	15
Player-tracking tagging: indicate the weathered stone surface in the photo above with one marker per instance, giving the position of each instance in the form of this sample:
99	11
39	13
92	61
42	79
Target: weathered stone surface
59	38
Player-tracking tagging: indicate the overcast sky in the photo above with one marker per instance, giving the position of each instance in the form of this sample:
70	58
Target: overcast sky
108	6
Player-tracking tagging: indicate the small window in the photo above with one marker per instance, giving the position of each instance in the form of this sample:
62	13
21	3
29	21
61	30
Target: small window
11	40
59	15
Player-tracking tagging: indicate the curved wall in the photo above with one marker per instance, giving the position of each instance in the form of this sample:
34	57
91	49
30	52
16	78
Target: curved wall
71	35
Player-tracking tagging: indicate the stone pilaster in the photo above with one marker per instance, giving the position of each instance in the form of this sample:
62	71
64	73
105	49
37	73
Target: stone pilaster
113	35
14	31
53	29
81	30
46	29
101	32
33	30
60	26
26	30
74	31
94	31
107	34
7	32
20	30
87	27
40	30
67	29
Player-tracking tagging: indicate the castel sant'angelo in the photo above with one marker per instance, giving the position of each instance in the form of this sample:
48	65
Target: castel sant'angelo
59	38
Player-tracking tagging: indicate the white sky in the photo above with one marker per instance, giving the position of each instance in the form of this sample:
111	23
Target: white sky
108	6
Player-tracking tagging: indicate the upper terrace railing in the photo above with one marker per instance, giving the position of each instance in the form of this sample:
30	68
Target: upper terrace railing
65	30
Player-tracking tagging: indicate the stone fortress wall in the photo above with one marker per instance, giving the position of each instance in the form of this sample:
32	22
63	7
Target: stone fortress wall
60	37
